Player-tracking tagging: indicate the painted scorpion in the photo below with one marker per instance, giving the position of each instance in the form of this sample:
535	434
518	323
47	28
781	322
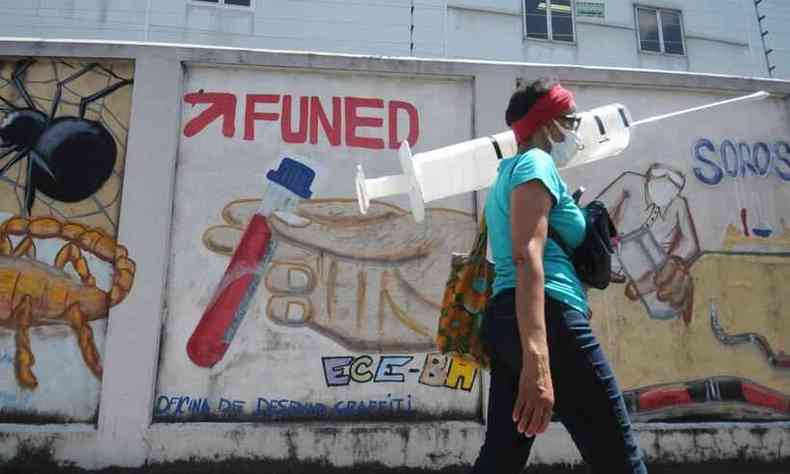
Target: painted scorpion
33	293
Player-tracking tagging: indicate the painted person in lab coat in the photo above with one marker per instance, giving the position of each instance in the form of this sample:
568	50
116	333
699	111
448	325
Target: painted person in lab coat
657	240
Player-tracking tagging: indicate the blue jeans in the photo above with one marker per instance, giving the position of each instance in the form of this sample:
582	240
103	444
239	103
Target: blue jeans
587	399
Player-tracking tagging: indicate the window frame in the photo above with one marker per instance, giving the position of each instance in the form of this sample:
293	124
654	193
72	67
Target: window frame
222	4
549	26
657	11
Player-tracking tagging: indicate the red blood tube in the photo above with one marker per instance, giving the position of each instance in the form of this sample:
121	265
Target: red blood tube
214	333
208	342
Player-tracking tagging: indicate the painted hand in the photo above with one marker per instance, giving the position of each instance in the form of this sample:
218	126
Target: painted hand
631	291
675	286
371	283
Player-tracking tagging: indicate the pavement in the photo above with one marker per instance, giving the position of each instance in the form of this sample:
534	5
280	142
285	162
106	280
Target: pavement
31	466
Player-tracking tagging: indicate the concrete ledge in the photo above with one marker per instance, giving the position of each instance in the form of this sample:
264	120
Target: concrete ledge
38	465
447	444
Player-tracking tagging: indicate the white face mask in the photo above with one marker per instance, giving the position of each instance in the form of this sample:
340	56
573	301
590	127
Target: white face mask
563	152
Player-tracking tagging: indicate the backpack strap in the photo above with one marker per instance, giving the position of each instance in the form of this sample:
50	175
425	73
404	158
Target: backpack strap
554	235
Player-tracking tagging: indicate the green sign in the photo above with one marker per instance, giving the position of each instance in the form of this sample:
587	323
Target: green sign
590	9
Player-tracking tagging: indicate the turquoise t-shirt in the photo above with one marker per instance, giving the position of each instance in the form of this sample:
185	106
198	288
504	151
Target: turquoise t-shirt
565	217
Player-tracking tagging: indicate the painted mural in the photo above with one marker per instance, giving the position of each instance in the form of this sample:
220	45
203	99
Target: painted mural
285	302
62	153
331	314
658	261
696	322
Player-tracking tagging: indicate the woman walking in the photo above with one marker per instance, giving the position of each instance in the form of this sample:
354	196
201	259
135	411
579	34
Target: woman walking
544	356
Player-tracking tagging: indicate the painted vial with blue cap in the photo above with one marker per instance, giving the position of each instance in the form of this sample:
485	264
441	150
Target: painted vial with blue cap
286	186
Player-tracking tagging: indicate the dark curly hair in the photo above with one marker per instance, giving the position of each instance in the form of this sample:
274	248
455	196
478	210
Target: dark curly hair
525	97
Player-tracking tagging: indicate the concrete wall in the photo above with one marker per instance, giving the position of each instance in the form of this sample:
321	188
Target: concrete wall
346	296
722	36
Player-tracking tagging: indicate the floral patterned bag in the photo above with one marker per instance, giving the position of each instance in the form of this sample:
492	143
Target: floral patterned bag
465	297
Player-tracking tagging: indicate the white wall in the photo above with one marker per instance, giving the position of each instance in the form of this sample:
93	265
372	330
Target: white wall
380	27
721	35
777	23
144	326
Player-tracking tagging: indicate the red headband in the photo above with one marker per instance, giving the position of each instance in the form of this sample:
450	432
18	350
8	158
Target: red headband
553	104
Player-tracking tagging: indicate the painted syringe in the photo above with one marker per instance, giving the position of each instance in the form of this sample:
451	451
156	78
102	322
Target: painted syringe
286	187
472	165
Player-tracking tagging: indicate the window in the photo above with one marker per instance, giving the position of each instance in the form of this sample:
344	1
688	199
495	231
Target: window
231	3
660	30
549	20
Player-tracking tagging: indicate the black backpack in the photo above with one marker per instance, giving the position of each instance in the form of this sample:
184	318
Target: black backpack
593	258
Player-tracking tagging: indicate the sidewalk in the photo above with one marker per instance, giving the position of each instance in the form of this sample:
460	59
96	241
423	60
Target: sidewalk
35	466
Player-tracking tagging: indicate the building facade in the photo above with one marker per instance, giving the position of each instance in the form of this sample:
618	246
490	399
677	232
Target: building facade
709	36
329	360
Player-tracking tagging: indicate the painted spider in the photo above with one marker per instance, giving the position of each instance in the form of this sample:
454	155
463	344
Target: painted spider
68	158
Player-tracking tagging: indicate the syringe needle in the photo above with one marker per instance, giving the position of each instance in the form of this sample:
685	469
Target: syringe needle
755	96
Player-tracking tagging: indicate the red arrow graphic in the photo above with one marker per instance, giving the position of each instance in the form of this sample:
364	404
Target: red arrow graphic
223	104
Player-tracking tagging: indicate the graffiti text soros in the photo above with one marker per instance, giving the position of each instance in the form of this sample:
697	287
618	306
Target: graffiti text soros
737	160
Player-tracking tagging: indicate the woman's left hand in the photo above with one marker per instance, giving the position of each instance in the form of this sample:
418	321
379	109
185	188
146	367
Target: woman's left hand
535	400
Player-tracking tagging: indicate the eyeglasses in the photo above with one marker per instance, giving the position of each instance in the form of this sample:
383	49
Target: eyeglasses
571	122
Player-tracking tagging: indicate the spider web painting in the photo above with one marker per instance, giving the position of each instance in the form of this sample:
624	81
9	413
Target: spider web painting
102	89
